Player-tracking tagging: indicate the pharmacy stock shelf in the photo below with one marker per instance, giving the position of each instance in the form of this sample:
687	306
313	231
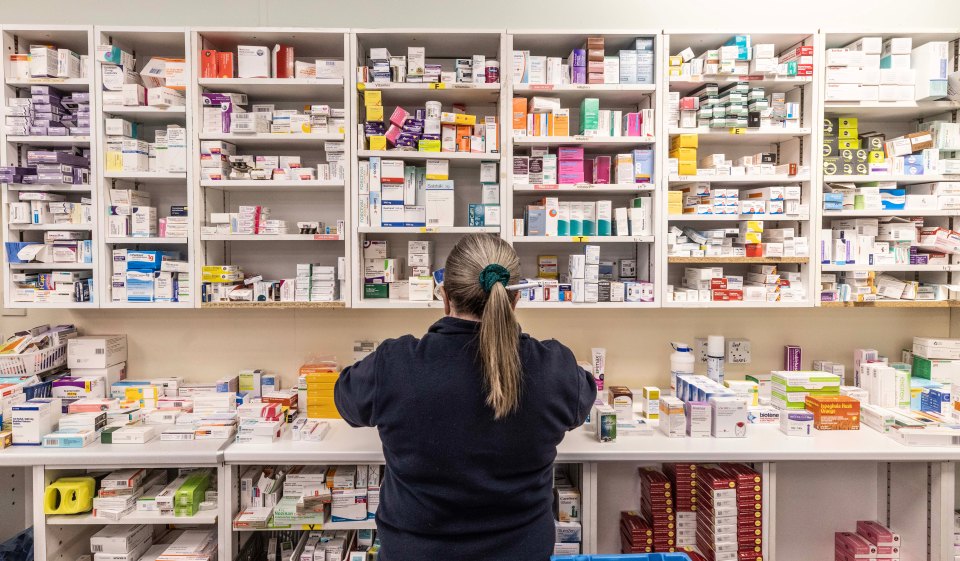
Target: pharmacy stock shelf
147	241
148	115
904	267
583	239
599	142
733	180
50	140
48	227
899	179
583	188
401	93
892	111
277	89
685	85
53	188
273	185
63	84
316	200
204	517
735	217
742	136
893	304
148	176
571	94
881	213
740	260
456	158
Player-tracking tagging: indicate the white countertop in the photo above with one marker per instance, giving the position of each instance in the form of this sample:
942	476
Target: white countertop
348	445
154	453
763	443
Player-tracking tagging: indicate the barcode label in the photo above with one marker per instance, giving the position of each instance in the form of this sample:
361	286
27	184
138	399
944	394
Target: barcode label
99	351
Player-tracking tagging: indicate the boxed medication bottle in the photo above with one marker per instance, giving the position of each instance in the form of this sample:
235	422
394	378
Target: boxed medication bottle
834	412
97	351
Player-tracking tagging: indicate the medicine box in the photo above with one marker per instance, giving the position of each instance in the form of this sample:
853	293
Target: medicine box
96	351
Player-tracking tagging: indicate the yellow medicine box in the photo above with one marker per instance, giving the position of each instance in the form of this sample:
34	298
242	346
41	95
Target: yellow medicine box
684	154
684	141
464	119
378	142
372	97
374	112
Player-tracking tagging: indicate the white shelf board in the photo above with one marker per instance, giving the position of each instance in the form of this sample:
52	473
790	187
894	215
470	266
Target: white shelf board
273	185
584	188
745	136
147	114
354	525
904	213
686	84
762	443
890	110
587	141
147	176
278	89
527	305
185	305
56	227
417	155
741	304
57	188
744	179
63	84
400	93
51	266
902	179
269	238
721	217
280	140
430	230
149	240
202	517
396	304
155	453
584	239
50	140
906	268
54	306
616	94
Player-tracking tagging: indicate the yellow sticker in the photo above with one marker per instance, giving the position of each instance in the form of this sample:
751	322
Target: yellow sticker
738	130
361	86
438	86
581	239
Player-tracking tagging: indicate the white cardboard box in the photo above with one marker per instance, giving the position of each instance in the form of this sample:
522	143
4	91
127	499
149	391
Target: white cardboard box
96	351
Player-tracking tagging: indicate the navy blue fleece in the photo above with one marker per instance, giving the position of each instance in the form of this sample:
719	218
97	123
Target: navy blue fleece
459	484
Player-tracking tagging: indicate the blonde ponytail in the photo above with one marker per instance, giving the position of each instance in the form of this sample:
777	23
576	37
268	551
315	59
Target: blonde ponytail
500	352
477	271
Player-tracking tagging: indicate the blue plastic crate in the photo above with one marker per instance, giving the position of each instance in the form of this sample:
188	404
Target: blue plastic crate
626	557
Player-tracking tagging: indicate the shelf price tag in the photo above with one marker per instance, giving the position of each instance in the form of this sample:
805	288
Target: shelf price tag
311	526
459	86
582	138
545	187
438	86
541	86
580	239
583	185
582	86
326	237
428	230
738	130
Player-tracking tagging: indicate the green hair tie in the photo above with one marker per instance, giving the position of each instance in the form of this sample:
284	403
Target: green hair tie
492	274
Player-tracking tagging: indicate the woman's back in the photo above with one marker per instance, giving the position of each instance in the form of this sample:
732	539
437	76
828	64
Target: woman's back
470	416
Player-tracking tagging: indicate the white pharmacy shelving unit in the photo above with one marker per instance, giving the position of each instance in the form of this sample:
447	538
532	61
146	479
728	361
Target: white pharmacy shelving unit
480	99
17	39
788	145
890	119
323	200
66	537
624	97
167	189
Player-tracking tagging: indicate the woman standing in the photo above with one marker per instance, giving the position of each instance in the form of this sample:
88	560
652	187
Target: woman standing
470	416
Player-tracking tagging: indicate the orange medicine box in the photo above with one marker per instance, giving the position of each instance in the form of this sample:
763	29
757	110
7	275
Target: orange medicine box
519	113
834	412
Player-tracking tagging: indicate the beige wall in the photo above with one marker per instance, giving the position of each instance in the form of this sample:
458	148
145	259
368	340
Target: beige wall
206	344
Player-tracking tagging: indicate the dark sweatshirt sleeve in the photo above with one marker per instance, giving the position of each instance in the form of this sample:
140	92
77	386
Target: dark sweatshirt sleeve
355	393
586	395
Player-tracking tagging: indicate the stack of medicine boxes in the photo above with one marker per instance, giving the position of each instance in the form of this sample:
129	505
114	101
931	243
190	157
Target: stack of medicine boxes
789	390
420	261
320	383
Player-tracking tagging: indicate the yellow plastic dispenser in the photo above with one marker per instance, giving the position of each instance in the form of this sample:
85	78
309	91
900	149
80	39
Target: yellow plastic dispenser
69	495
